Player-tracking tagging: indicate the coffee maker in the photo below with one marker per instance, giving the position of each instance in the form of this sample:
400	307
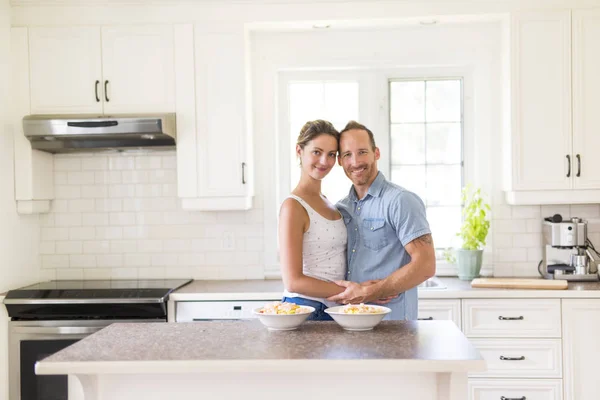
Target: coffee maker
568	254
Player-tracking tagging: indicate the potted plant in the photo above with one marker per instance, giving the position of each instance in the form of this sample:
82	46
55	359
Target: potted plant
473	232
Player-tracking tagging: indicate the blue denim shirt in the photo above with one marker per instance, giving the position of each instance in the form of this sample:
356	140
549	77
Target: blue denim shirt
379	226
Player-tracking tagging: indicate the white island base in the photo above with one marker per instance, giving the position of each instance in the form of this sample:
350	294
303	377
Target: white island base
424	360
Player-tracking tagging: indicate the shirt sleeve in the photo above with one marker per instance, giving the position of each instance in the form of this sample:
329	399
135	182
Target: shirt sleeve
408	215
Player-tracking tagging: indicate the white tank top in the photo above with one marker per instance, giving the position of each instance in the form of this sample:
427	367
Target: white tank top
323	249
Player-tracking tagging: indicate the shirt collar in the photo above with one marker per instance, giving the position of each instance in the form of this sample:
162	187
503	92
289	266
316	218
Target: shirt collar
374	190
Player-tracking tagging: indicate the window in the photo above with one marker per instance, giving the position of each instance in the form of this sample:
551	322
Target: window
426	141
336	102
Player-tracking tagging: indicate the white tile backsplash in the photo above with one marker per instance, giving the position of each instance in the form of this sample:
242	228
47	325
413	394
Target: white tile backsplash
118	216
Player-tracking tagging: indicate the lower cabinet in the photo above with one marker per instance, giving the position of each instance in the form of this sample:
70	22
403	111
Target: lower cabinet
440	310
581	348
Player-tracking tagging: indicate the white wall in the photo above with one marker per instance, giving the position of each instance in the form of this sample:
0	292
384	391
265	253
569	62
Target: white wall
19	236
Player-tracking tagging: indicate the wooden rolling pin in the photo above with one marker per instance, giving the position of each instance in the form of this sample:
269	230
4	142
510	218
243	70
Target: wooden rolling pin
516	283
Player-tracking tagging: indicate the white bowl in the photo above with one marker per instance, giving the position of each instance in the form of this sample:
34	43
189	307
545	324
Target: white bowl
357	322
283	322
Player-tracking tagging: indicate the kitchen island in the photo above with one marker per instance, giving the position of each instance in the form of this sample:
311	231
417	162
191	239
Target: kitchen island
236	359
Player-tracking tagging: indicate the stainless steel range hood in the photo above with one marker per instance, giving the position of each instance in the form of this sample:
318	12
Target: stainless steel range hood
85	133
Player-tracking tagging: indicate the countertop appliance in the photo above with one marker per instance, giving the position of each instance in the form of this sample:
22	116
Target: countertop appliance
567	253
49	316
85	133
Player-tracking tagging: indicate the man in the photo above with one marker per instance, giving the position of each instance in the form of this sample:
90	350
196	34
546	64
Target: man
390	249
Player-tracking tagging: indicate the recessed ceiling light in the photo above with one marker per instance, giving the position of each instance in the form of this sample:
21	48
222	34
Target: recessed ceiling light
321	26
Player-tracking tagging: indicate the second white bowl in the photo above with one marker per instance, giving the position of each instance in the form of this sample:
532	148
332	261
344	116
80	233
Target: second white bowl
357	322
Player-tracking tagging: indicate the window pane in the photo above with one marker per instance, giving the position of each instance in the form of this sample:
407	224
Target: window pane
306	102
407	102
341	102
443	185
411	178
444	223
408	144
443	101
444	143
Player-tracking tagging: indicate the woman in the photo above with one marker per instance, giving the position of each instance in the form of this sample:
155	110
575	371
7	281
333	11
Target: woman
312	233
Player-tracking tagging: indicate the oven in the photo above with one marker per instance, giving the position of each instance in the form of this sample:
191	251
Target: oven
48	317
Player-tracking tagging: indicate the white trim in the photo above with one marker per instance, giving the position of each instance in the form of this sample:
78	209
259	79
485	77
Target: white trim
533	197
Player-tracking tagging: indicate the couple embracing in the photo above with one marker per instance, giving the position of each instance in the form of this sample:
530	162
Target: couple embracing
373	246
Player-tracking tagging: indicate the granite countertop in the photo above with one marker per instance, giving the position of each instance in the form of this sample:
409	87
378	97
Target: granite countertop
271	290
433	346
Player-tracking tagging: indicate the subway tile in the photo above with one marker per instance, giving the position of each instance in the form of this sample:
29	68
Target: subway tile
163	260
511	255
503	270
152	273
109	205
97	163
54	233
258	244
83	261
527	240
109	260
47	247
207	272
67	192
135	232
59	205
107	177
534	225
176	218
96	246
525	270
148	190
150	218
135	176
82	233
94	191
534	254
191	259
108	233
62	163
123	246
60	178
136	260
67	219
255	216
232	273
123	273
246	257
121	191
168	190
69	273
526	212
122	218
97	273
47	275
147	162
47	220
501	212
81	205
94	219
172	272
55	261
220	258
254	272
150	246
162	176
501	240
169	162
585	211
121	162
69	247
80	178
207	244
510	226
177	245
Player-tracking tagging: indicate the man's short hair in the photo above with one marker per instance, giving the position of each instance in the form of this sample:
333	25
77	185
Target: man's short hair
355	125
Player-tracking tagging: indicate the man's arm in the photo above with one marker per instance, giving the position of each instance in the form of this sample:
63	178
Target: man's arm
420	268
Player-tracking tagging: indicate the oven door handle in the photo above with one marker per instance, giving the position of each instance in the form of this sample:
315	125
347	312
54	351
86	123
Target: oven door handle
57	330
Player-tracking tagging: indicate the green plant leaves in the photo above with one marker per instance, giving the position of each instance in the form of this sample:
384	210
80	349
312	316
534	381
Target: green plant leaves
476	225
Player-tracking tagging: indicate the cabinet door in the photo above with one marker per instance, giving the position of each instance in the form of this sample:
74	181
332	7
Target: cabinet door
138	69
440	310
223	144
65	70
541	100
581	324
586	98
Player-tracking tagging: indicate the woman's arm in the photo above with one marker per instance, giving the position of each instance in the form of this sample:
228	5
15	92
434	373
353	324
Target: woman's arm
293	222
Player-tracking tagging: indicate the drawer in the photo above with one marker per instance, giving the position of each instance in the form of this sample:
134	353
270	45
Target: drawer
512	318
440	310
520	358
521	389
188	311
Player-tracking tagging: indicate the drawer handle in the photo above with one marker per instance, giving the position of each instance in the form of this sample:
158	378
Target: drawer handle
512	358
426	319
519	318
513	398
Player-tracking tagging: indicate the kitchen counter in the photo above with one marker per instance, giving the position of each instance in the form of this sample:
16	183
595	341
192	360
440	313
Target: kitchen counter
139	360
271	290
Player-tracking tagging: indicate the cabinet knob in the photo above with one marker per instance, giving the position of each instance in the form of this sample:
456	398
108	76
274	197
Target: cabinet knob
578	165
569	166
512	358
519	318
243	173
513	398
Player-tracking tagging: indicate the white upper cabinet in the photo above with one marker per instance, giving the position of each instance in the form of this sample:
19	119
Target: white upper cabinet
586	98
555	56
65	70
221	169
541	99
138	70
102	70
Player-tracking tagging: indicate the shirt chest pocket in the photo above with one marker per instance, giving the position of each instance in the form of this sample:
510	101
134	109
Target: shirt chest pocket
374	233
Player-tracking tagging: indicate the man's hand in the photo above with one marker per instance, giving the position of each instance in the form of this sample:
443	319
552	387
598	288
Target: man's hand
355	293
383	300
